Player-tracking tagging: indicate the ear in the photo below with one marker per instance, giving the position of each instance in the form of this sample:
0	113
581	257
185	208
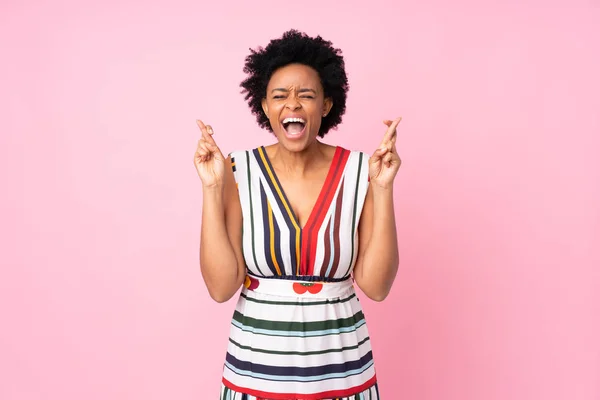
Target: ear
327	104
265	107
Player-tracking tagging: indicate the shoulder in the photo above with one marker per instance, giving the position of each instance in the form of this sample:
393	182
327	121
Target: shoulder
239	155
245	152
352	151
241	161
355	156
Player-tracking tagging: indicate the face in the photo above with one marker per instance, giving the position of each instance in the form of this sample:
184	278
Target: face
295	105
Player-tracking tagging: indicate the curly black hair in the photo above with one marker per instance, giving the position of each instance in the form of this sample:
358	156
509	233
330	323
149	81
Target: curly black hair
297	47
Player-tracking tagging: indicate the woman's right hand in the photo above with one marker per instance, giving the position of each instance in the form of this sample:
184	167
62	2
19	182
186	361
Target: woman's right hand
209	160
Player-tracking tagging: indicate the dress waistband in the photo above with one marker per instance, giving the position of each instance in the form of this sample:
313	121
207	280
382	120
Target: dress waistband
298	288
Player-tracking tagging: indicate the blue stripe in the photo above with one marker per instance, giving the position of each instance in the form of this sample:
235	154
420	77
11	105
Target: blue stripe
294	378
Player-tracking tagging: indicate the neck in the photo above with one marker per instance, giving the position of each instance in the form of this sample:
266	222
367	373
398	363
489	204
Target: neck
297	163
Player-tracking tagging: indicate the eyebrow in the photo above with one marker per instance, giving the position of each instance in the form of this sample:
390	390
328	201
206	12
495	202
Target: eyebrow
299	91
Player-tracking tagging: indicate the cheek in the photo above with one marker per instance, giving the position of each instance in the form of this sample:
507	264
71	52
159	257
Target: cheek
317	107
274	109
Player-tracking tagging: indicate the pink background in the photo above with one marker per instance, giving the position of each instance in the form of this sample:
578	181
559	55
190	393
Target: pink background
498	200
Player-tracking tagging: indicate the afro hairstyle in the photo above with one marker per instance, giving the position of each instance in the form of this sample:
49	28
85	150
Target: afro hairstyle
295	47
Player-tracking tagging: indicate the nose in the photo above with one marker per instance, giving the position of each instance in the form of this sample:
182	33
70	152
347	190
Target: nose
292	102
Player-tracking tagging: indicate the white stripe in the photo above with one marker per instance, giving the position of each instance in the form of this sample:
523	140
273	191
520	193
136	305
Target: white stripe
330	238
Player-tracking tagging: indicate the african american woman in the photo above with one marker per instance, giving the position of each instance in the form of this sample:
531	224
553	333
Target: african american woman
296	224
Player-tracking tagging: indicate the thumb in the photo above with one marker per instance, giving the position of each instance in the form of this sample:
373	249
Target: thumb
378	154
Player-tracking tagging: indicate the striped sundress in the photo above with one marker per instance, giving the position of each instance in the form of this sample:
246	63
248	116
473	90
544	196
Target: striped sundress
298	330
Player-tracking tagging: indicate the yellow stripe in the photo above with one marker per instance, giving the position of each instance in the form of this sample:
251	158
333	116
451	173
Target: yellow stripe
287	207
272	238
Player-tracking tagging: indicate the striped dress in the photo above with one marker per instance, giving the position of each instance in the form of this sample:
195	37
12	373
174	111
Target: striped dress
298	330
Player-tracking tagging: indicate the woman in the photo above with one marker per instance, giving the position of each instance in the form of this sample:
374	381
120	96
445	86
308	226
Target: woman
295	223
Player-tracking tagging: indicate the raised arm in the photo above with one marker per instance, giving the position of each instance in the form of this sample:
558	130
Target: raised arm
377	261
221	260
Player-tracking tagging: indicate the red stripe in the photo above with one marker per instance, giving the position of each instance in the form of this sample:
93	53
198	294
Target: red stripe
312	396
310	231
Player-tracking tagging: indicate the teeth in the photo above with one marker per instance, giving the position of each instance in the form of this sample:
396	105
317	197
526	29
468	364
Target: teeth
288	120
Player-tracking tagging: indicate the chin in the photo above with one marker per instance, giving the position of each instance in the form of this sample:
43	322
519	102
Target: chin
296	145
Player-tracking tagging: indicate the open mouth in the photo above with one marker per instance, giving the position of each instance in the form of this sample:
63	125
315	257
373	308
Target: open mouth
294	126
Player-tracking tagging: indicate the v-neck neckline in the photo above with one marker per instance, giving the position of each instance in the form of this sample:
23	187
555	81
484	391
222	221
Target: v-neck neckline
320	197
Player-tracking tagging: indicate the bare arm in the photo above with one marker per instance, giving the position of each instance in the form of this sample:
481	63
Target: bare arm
377	261
221	260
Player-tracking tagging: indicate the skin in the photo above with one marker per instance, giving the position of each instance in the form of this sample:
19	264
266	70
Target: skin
301	164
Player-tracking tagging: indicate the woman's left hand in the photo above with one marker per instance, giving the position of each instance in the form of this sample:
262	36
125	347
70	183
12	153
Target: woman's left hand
385	162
